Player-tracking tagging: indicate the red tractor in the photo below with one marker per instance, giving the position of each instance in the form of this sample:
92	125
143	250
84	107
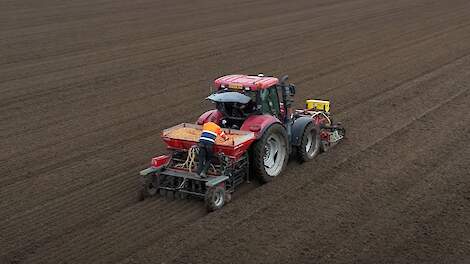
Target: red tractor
256	112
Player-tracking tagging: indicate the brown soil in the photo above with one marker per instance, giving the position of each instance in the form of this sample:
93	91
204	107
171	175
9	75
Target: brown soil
87	86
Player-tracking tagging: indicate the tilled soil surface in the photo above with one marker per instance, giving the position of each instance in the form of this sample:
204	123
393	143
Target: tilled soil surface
86	87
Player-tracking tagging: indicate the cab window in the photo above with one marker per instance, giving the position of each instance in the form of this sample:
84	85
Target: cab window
269	101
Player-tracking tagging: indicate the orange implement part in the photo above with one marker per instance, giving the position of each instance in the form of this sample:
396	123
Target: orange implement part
193	134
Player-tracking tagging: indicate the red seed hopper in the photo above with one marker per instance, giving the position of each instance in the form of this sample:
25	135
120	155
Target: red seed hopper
185	135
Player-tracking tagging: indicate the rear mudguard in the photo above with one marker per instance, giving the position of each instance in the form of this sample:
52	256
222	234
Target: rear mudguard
298	129
259	123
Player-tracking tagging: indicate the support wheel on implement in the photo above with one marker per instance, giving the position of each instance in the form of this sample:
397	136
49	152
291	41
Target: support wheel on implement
215	198
150	186
270	153
309	144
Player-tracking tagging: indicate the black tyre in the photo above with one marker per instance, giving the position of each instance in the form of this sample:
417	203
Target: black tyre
150	186
215	198
270	153
310	144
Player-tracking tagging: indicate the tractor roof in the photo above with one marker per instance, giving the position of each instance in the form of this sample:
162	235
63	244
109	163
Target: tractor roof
243	81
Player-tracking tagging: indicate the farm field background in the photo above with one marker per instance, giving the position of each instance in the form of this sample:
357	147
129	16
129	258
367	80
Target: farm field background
86	87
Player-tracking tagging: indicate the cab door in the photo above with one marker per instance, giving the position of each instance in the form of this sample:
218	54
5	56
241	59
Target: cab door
270	101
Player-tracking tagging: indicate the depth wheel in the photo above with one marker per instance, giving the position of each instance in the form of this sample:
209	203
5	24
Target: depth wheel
214	198
150	186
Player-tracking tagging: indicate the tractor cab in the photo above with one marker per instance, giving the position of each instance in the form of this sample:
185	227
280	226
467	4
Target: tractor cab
239	96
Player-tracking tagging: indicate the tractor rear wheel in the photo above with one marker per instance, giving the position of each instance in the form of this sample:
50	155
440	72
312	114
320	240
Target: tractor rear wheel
309	144
215	198
270	153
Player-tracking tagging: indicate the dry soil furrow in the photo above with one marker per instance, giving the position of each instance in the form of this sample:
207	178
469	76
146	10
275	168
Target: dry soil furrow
94	80
78	158
351	103
367	140
189	51
141	31
43	103
89	95
137	34
363	190
139	230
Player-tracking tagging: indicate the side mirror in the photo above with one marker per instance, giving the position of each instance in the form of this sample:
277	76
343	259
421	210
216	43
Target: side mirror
283	79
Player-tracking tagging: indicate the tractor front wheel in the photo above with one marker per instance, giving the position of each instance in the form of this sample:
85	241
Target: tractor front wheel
270	153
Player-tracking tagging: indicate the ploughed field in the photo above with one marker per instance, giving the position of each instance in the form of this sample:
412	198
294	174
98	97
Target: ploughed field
87	86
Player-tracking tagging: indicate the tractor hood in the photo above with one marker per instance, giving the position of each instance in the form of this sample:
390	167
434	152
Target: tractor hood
229	97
